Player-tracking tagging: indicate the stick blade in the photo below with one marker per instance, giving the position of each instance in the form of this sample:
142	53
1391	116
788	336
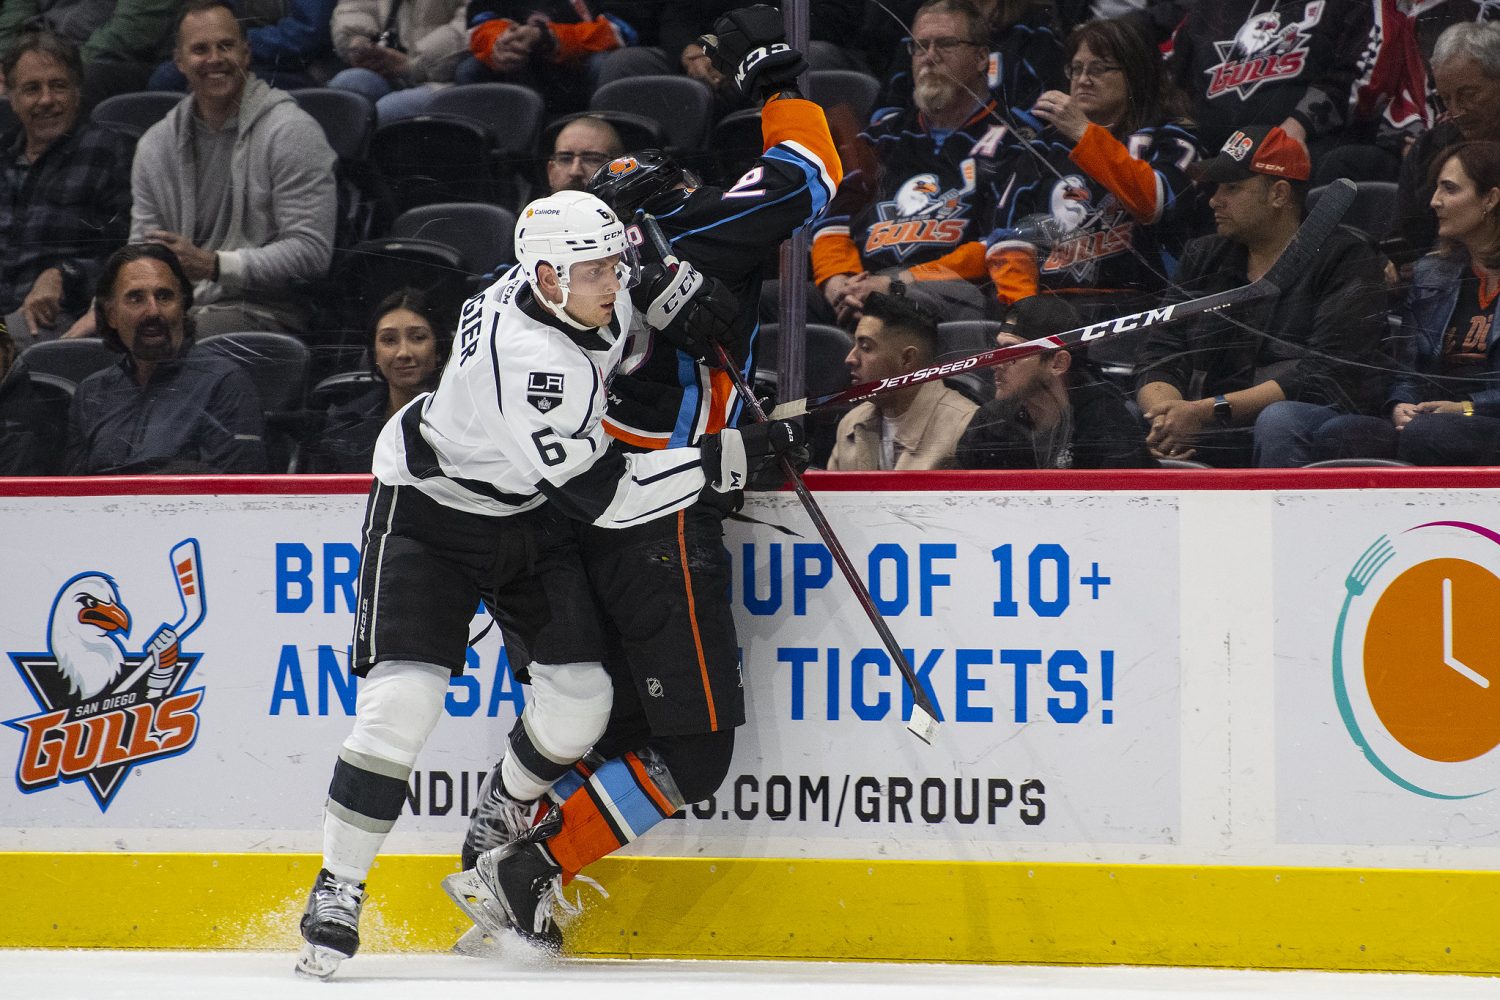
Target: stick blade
923	724
1333	204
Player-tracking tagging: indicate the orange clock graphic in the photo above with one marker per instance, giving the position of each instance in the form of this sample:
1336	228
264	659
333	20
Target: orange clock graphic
1419	690
1429	656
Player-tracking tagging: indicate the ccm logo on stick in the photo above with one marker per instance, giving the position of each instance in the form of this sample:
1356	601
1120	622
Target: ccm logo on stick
1132	322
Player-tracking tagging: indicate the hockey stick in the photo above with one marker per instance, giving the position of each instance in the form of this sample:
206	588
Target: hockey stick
187	569
924	721
1293	262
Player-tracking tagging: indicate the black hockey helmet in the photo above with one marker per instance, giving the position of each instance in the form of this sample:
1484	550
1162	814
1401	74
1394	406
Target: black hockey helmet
638	180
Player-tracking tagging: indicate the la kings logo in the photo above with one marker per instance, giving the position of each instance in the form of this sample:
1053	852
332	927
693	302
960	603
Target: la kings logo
107	710
1264	50
544	390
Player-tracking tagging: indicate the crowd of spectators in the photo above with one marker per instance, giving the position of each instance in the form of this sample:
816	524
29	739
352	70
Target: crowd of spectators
1021	167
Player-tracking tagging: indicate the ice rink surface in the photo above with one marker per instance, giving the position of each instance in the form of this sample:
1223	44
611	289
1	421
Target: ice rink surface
141	975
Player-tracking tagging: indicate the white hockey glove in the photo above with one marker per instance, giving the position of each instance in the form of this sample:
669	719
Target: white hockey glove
691	309
162	652
728	457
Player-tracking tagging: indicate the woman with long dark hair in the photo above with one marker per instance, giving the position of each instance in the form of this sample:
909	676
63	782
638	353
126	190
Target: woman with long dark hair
407	354
1444	407
1098	176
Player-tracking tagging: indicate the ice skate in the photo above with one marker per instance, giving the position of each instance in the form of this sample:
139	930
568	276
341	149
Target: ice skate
497	819
517	885
330	925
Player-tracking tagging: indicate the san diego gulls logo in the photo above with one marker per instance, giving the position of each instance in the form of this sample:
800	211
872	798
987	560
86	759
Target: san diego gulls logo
105	709
923	214
1264	50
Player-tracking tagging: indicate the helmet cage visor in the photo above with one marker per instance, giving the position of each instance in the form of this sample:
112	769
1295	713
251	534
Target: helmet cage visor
601	275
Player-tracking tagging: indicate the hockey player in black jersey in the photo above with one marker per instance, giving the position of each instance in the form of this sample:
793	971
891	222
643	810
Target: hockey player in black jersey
474	484
663	586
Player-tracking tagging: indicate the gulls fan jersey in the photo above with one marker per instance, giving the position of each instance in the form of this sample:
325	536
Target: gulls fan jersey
663	398
516	420
1258	62
1098	215
932	202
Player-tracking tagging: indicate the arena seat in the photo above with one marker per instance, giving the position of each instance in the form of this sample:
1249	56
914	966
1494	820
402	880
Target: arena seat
682	106
134	113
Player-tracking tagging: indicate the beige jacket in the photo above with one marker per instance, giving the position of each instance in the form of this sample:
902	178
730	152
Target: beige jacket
432	31
926	434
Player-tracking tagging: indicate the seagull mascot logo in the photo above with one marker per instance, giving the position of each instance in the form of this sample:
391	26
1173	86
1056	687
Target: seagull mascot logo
104	709
86	634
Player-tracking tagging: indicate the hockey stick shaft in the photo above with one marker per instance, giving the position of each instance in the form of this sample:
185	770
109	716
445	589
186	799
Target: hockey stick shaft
1293	262
924	720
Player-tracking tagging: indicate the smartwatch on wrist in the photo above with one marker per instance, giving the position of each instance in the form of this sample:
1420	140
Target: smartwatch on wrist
1223	411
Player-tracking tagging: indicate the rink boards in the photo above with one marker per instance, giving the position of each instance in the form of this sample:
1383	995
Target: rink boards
1189	718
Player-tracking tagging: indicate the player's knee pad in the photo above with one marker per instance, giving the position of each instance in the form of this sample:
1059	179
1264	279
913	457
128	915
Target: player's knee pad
398	705
697	763
569	708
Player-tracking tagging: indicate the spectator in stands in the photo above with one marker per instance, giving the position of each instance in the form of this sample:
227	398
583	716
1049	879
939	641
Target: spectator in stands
238	182
398	53
1318	341
120	42
165	407
1444	408
582	146
1291	64
290	45
1050	412
1099	199
552	46
406	356
64	199
23	451
916	427
911	223
1026	54
1466	69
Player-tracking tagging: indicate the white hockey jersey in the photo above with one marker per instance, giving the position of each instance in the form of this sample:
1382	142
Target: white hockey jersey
517	420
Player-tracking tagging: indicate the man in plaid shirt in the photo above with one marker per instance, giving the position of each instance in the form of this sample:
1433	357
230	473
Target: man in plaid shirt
64	192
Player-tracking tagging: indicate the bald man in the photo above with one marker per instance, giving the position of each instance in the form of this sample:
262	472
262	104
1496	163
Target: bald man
582	147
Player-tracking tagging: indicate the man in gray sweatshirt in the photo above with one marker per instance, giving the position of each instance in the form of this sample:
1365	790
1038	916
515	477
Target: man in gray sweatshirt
238	181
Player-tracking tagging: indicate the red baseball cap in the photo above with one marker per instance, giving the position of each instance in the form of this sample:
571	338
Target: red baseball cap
1258	149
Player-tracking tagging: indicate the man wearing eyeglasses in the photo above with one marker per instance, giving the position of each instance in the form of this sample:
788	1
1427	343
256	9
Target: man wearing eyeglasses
582	147
1466	70
927	197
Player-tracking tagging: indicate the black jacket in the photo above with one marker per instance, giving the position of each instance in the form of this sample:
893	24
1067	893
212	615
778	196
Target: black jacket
197	413
1106	435
347	442
1320	340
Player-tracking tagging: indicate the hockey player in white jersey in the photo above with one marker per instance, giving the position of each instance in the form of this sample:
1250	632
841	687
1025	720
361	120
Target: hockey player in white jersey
473	485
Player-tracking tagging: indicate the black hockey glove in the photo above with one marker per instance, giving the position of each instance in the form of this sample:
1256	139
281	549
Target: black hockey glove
749	47
691	309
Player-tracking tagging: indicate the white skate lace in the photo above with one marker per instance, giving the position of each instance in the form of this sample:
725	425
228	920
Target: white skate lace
338	901
554	901
497	820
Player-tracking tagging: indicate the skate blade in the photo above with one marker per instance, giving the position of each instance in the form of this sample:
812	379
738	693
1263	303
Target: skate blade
317	962
476	942
471	895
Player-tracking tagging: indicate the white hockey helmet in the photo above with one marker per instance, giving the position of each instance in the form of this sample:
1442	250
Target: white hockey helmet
568	228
